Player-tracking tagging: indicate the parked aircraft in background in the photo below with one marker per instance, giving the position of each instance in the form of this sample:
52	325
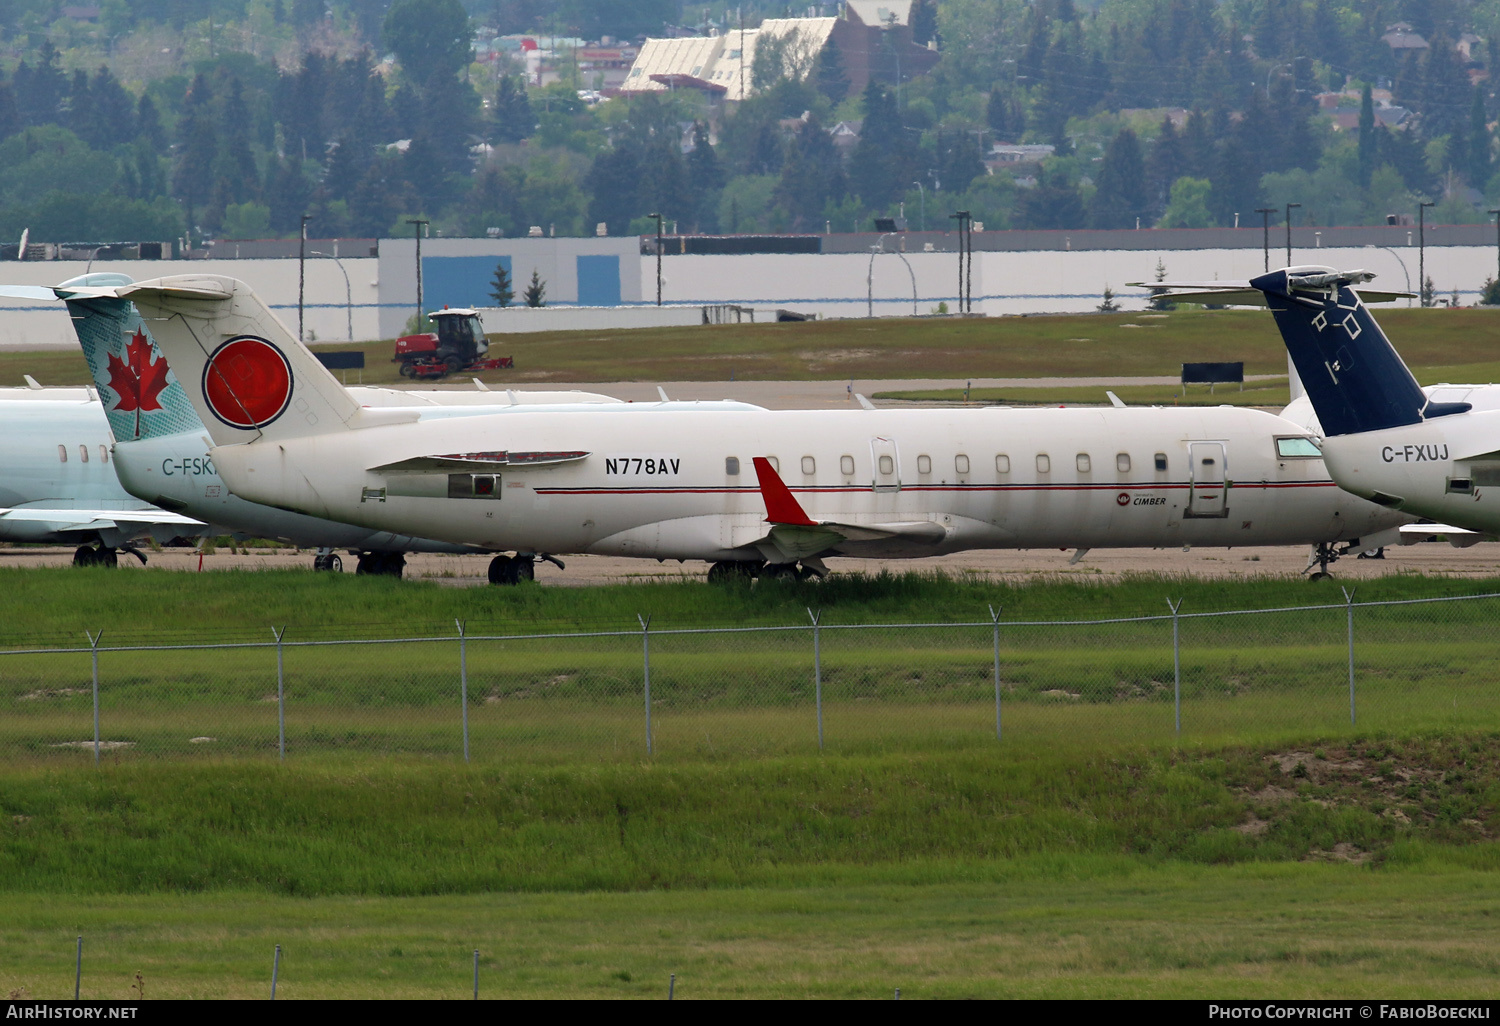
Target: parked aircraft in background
1433	452
678	483
58	485
60	495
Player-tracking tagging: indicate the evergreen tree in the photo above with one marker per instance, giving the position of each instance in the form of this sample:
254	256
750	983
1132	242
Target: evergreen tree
615	181
10	117
41	88
500	289
1366	136
374	200
1198	147
512	118
1120	198
1168	162
197	145
236	179
875	168
1004	113
924	22
80	118
148	125
535	294
1054	202
114	110
1479	143
287	194
811	177
704	180
832	82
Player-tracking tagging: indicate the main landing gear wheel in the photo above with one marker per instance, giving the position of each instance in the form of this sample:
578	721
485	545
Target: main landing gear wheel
512	570
729	571
388	564
328	561
88	555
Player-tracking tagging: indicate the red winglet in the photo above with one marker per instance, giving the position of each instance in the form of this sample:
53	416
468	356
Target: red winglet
781	507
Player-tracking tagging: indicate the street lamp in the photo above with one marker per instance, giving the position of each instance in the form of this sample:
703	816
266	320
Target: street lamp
1426	298
348	292
1265	237
1289	208
658	257
1496	214
418	224
301	273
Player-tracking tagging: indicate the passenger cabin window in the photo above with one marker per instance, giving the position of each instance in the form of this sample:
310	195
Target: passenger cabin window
924	464
1084	465
1043	463
103	454
846	465
1002	464
775	463
1122	462
809	465
83	454
1161	461
473	486
961	463
1296	448
731	465
887	465
62	454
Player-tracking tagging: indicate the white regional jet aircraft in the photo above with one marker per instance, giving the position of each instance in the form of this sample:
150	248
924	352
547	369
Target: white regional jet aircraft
56	487
679	485
57	484
1433	452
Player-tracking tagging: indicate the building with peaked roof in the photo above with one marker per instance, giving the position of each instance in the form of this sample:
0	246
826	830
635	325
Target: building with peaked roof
872	40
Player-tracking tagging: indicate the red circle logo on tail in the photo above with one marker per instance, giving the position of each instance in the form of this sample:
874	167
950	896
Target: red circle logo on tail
247	382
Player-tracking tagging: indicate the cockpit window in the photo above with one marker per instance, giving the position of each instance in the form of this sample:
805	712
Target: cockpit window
1297	448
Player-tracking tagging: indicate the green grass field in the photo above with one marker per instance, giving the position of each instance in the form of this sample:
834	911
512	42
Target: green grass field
1441	345
1271	849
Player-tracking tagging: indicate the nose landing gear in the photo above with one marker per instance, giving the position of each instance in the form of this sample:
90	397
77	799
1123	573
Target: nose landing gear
521	567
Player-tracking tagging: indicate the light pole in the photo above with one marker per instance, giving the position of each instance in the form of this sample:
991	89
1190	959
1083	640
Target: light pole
1496	214
1422	251
418	224
348	292
1265	233
658	257
1289	208
923	193
875	250
962	217
301	273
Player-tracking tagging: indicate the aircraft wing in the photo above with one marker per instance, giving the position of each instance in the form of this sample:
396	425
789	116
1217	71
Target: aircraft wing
794	535
62	520
458	462
1458	537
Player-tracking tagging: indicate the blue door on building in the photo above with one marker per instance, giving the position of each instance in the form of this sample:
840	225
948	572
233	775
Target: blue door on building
598	281
463	281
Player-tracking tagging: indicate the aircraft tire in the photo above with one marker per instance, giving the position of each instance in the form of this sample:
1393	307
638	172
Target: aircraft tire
83	555
780	571
1320	575
500	571
108	557
395	564
728	571
523	569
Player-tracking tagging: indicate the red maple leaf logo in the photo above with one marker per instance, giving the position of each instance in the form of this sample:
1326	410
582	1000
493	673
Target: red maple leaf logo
138	380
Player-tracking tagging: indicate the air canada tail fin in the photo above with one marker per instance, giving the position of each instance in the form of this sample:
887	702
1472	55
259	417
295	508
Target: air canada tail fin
1353	376
142	398
246	376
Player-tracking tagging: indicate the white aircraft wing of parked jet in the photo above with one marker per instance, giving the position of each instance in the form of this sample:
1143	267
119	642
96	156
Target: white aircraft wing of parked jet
673	482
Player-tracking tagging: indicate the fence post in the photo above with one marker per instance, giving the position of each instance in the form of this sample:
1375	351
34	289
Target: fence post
476	974
995	616
1349	609
78	969
94	648
646	656
1176	667
817	670
463	683
280	695
275	970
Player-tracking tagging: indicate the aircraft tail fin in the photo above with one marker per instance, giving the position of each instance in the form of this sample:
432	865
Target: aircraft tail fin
142	397
1353	375
245	374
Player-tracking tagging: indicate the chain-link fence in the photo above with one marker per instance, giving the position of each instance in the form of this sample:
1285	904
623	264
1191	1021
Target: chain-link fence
764	690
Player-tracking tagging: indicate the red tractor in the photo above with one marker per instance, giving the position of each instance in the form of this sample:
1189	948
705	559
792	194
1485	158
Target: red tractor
457	345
